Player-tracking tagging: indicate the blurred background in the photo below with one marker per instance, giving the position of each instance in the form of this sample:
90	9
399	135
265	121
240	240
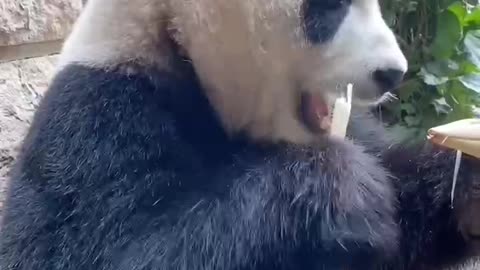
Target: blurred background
441	39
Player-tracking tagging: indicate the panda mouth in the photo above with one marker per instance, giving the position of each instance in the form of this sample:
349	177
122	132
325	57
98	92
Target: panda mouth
314	112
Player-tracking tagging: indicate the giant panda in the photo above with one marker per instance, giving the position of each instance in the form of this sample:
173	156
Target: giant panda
180	134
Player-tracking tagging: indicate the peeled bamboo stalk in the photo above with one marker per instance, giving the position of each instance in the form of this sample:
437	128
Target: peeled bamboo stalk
341	114
463	136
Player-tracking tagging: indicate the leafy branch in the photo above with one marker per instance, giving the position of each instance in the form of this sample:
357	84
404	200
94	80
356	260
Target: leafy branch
441	39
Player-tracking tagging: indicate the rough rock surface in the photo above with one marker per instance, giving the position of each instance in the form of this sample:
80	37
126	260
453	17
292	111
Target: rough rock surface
26	21
22	84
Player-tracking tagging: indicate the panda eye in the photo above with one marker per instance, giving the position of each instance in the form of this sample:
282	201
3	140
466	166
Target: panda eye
323	17
334	4
327	5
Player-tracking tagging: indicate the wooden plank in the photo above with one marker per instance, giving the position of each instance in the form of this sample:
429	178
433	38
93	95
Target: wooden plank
29	50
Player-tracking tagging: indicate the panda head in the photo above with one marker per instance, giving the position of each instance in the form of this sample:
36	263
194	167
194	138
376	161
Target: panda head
268	67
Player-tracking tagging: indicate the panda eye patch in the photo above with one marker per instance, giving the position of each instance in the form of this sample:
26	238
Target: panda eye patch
322	18
331	4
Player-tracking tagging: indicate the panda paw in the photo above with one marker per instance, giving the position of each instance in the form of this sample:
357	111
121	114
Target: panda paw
350	192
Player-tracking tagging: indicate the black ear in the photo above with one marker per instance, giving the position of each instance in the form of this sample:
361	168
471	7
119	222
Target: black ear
322	18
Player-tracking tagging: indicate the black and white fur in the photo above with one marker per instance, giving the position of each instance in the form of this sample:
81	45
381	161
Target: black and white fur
471	264
169	139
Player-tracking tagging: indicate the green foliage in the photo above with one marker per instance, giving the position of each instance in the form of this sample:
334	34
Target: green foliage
441	39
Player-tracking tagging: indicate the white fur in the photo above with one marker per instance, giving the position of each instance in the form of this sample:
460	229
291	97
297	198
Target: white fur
110	32
363	44
472	264
251	55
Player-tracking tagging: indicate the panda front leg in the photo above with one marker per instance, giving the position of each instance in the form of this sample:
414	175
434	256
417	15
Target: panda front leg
320	208
431	235
302	208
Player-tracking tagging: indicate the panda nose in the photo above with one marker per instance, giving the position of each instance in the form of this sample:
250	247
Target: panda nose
388	79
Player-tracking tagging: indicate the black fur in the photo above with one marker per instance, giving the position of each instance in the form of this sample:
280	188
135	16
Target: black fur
135	172
322	18
431	233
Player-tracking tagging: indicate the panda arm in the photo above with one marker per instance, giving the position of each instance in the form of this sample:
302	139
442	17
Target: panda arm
300	202
93	164
430	226
424	175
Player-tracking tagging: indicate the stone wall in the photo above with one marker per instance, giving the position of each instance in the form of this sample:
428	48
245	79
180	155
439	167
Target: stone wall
30	21
22	84
27	28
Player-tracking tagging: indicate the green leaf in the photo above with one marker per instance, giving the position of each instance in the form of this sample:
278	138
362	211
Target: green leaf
452	68
441	68
476	111
403	133
468	68
409	87
441	106
432	79
443	49
472	46
408	108
460	10
412	6
471	81
448	35
472	19
412	121
461	99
